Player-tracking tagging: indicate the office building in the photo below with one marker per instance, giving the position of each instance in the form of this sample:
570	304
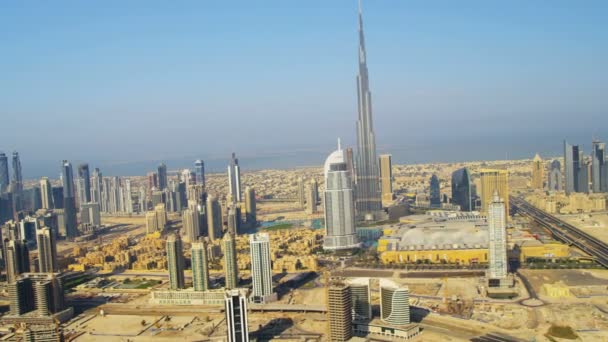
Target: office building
175	262
360	290
315	189
368	193
462	192
19	293
497	230
46	193
90	214
435	192
200	265
57	193
191	224
300	195
156	220
339	311
554	181
575	173
214	218
311	195
394	304
199	171
96	186
17	258
69	200
261	267
83	173
230	261
538	173
386	177
4	175
250	207
47	251
152	181
162	176
234	219
234	179
17	180
36	294
494	181
598	164
235	307
339	204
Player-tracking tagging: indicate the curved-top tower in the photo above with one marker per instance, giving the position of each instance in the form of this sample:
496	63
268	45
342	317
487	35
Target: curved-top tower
368	190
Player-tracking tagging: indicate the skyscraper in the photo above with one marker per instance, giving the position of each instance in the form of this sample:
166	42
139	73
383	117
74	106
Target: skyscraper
575	172
162	176
199	171
152	181
17	258
96	186
230	262
598	163
4	176
234	179
311	198
200	265
235	306
214	218
83	173
191	224
538	173
368	192
339	311
90	214
69	201
46	193
361	298
494	181
47	251
175	262
234	219
394	304
261	267
386	177
17	174
435	192
462	194
301	195
555	176
250	207
498	238
339	204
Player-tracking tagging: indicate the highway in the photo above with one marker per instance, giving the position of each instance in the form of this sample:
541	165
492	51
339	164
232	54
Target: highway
563	231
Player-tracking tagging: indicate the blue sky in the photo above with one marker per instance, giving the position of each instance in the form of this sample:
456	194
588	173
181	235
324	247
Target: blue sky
151	80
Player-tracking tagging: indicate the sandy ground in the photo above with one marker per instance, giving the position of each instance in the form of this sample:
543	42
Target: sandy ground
593	224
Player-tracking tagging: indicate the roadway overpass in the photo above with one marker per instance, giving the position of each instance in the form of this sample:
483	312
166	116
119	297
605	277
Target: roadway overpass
563	231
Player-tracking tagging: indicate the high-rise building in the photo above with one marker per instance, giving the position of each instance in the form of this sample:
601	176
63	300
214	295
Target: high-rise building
175	262
574	169
46	193
538	173
361	298
152	181
200	265
301	195
386	177
234	179
435	192
191	224
497	230
19	292
199	171
214	218
339	311
83	173
235	306
69	201
261	267
598	163
40	292
339	204
368	193
555	176
462	192
57	192
311	195
494	181
90	214
234	219
4	175
17	258
230	262
250	207
96	186
47	251
394	304
315	189
17	174
162	176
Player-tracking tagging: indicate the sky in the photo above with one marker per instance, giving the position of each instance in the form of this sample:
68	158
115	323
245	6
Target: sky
136	82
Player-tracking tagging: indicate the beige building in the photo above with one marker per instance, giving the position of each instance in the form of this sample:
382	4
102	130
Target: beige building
494	180
386	177
339	311
538	173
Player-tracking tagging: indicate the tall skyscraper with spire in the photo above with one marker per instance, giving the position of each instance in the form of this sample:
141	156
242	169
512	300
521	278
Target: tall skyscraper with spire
234	179
368	197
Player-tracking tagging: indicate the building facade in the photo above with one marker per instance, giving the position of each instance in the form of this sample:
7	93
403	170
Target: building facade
261	267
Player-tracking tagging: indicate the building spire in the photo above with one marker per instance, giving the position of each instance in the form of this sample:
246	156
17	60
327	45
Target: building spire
339	145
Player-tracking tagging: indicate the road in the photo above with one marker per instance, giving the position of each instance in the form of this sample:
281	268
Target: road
563	231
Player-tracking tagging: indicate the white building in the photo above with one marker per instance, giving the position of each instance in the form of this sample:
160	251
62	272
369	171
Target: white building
261	267
498	239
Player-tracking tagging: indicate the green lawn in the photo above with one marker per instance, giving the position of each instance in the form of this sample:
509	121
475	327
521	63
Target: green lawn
279	226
